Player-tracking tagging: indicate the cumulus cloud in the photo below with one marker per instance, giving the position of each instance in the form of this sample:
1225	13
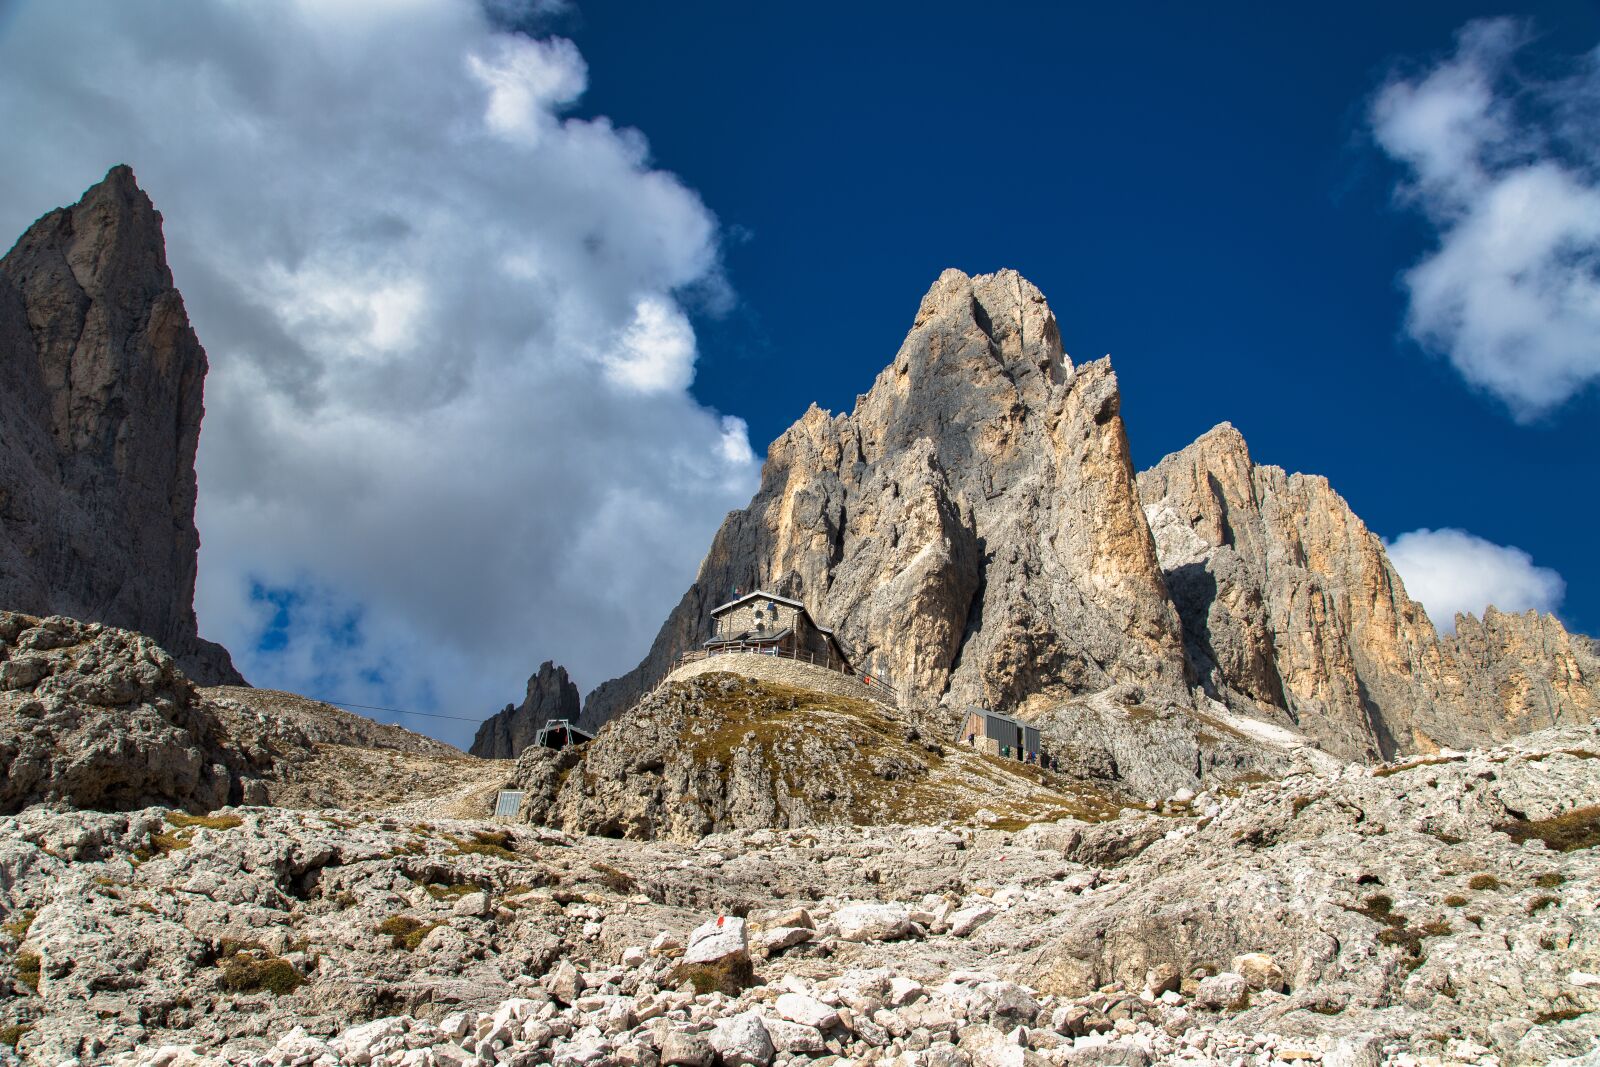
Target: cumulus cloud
1452	571
448	432
1507	170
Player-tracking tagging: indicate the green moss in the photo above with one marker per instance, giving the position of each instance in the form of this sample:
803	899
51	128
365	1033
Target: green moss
28	969
406	931
730	977
1567	832
208	822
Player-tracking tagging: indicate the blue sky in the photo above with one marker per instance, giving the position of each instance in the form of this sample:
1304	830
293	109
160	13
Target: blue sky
1195	188
500	323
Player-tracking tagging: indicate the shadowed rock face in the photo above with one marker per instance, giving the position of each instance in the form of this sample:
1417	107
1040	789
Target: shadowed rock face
1291	608
972	529
101	381
551	695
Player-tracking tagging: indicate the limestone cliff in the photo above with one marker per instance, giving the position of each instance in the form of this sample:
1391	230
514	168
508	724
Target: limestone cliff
551	695
972	529
101	381
1292	610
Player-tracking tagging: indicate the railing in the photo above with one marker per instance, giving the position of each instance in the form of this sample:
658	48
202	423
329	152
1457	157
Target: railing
872	681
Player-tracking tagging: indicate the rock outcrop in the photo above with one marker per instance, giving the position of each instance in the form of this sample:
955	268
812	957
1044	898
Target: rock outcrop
94	717
972	529
1292	611
551	695
101	381
720	752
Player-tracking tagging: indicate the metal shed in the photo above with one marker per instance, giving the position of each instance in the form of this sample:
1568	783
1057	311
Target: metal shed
1001	735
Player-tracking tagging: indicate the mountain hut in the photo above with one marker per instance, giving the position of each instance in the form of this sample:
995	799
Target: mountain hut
778	626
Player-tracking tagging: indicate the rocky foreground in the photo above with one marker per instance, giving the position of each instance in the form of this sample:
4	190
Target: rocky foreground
1441	911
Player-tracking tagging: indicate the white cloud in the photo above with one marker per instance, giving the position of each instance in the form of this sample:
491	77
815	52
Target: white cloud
447	433
1451	571
1506	171
656	351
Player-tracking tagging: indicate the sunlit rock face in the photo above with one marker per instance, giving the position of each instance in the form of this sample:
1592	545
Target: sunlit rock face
972	529
1291	607
975	530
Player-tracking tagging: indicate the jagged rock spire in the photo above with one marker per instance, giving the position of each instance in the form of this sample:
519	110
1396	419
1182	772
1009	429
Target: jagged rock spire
101	398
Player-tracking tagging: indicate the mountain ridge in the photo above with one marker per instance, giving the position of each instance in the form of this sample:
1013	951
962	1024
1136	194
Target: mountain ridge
976	530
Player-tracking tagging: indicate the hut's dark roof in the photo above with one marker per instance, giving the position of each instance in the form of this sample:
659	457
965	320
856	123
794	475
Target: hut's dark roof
750	637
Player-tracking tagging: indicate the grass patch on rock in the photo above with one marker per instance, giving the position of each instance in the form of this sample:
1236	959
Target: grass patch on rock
1397	929
1541	902
406	931
28	969
184	820
1567	832
1482	883
1398	768
498	843
162	845
248	971
18	927
730	976
613	878
11	1035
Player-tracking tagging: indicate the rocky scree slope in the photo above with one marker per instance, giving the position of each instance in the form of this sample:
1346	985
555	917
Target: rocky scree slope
96	717
550	696
974	529
1292	612
101	381
719	752
1435	910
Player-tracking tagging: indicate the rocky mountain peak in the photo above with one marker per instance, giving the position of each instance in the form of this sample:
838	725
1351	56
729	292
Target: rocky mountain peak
550	696
975	530
972	527
1293	612
101	408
